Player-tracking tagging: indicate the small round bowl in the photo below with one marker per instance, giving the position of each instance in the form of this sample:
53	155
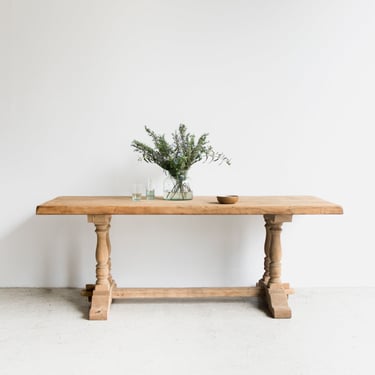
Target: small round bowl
227	199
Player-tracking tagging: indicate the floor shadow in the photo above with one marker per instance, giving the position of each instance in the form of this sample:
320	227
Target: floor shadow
80	303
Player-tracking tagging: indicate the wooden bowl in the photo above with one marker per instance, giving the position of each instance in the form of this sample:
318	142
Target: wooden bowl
227	199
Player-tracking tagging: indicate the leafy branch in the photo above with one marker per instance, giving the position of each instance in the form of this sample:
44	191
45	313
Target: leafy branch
178	157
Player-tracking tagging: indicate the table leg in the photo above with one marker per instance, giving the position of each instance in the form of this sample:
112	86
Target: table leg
101	297
267	246
276	291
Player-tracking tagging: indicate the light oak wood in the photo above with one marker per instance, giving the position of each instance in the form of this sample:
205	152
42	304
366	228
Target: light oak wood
193	293
267	248
276	210
276	292
246	205
274	223
142	293
101	296
102	248
277	300
276	295
101	300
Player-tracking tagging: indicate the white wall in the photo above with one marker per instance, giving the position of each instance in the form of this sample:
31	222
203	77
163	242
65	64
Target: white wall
285	88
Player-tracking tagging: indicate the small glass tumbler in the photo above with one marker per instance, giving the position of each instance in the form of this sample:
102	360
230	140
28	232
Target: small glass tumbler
137	192
150	190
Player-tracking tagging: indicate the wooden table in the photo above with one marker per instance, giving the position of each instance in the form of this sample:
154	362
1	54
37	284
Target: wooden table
276	210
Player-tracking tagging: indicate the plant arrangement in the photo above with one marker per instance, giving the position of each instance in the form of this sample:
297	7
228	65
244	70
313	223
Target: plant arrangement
178	156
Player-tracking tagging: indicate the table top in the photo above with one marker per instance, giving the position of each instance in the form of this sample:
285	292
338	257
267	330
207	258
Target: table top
208	205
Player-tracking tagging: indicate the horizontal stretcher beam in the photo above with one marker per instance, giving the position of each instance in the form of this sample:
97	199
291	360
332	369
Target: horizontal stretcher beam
203	292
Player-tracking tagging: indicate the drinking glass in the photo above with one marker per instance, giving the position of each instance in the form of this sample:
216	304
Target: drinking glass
137	192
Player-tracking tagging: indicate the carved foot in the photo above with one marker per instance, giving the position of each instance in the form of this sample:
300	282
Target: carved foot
277	299
100	299
100	304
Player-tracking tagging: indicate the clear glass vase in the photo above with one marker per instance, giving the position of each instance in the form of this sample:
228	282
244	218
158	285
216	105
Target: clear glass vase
177	188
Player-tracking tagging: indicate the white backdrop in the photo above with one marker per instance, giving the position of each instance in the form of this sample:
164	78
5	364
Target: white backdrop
284	88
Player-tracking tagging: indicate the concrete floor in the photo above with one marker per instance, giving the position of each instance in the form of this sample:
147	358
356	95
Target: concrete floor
46	331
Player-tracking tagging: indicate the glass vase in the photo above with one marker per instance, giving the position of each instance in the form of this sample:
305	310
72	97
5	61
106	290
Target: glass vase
177	188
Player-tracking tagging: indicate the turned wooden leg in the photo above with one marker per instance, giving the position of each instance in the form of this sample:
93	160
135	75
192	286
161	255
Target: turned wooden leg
110	280
101	292
276	291
267	246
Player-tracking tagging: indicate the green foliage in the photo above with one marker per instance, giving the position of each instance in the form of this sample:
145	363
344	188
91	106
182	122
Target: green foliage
177	157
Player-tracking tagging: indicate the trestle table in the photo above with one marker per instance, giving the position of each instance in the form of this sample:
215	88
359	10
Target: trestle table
276	210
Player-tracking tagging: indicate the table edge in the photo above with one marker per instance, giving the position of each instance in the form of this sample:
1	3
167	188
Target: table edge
326	208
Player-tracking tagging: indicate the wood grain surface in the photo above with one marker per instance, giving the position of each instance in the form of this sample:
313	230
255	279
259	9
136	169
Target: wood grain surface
246	205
